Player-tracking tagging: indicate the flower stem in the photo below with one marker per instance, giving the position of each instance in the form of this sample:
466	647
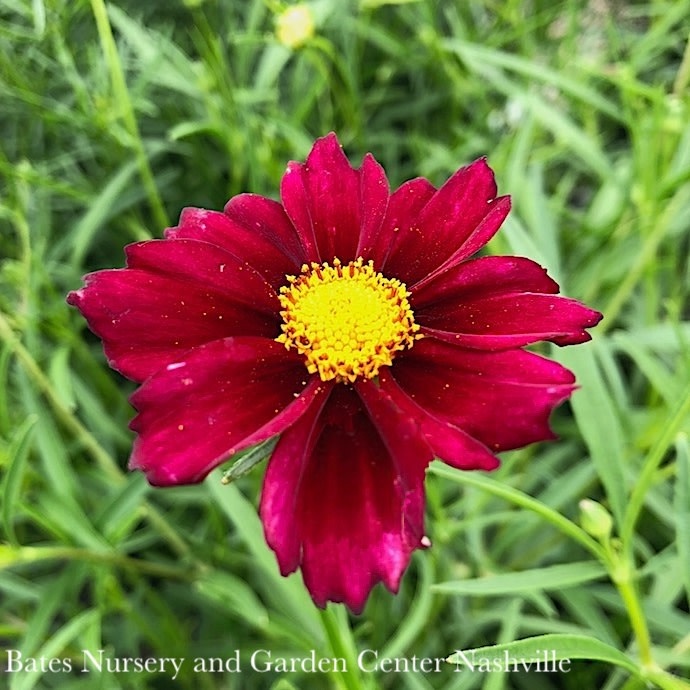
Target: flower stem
621	574
341	648
121	94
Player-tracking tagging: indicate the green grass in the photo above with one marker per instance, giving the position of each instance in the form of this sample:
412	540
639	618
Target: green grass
115	117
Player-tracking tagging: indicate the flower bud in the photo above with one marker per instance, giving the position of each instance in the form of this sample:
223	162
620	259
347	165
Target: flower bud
595	519
295	26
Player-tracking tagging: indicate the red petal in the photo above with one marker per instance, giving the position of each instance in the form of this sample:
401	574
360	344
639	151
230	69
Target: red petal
484	277
281	487
449	443
510	320
258	241
357	519
460	218
490	303
403	208
223	397
175	295
503	399
268	219
330	203
374	195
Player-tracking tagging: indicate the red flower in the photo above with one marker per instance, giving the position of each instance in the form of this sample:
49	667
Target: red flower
354	323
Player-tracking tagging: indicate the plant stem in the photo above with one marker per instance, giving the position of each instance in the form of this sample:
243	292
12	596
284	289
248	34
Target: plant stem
621	574
341	649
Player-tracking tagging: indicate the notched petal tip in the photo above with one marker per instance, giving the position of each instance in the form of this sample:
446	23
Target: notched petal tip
75	297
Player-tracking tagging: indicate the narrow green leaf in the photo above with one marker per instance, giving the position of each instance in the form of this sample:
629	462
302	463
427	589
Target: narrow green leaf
554	646
5	358
55	463
510	628
417	615
121	512
646	477
162	61
523	500
182	130
536	71
248	460
99	211
552	118
548	578
60	376
55	645
682	509
663	380
286	593
51	600
17	453
599	423
235	596
74	524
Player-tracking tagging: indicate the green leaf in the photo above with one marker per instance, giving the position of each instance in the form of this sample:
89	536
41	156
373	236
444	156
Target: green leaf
60	376
555	646
248	460
17	453
548	578
121	511
286	593
564	129
417	615
536	71
55	645
235	596
99	211
523	500
682	509
599	423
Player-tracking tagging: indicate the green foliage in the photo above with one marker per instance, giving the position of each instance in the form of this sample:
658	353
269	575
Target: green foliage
114	117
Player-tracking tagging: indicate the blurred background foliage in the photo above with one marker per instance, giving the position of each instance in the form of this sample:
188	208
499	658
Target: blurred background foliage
114	117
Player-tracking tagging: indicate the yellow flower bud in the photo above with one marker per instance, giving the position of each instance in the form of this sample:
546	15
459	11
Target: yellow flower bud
295	26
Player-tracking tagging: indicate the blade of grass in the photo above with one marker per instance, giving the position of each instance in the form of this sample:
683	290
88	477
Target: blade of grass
682	509
17	454
550	577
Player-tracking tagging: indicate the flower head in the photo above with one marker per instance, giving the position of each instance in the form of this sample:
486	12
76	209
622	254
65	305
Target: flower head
357	324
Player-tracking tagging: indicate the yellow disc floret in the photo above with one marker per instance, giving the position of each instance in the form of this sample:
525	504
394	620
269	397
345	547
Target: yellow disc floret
347	320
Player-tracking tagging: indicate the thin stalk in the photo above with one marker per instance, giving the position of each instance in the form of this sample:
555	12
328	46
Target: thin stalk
340	649
523	500
622	578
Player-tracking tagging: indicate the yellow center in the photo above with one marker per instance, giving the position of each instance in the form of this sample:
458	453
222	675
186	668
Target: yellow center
347	321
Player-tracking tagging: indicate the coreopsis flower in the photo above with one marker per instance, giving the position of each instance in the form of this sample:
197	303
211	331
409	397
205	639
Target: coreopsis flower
358	325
